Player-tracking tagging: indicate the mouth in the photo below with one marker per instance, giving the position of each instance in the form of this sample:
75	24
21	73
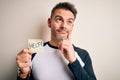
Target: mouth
61	34
62	31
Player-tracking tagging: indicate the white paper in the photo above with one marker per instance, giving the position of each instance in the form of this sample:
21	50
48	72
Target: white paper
36	45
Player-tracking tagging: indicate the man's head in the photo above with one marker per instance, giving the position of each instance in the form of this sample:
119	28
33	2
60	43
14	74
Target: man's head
61	21
66	6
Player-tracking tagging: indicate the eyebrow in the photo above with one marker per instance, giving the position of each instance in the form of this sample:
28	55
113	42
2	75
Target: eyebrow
62	17
58	16
71	19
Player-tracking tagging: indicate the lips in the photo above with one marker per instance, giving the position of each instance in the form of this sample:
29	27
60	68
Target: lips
62	31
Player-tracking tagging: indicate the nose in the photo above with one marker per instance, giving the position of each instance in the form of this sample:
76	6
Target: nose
63	25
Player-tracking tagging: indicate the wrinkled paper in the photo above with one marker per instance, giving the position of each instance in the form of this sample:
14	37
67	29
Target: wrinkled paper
36	45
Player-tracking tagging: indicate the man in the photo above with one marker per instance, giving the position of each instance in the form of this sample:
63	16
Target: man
60	60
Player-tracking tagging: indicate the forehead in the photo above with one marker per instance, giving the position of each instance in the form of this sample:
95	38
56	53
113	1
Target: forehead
63	13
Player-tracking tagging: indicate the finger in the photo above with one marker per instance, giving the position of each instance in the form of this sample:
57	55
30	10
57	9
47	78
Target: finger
25	69
27	51
23	57
23	51
69	36
30	52
22	65
24	61
61	49
60	45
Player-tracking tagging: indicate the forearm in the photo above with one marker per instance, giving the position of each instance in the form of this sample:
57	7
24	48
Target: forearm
19	78
80	73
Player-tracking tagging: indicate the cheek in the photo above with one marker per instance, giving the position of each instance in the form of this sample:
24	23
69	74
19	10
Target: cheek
54	26
70	29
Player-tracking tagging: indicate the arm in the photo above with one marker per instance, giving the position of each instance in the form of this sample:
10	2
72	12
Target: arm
29	77
23	60
68	50
18	78
23	76
83	73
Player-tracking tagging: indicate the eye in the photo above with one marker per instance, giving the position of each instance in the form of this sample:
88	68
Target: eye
70	22
58	19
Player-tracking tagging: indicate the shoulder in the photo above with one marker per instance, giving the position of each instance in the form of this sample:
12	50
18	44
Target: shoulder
44	44
80	51
84	55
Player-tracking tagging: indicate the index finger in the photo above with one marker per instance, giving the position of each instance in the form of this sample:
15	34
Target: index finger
69	36
30	52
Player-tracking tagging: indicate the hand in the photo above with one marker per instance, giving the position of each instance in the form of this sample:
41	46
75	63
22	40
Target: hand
23	60
67	49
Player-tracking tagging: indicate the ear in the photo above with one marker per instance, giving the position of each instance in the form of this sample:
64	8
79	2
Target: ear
49	22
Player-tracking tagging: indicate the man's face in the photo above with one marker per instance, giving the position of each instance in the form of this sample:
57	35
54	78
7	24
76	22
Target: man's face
61	24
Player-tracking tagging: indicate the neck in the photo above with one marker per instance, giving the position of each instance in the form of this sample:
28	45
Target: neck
54	43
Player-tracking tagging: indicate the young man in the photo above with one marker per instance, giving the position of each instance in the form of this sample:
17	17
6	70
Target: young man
60	60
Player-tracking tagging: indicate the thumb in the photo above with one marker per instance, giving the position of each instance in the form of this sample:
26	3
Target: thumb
30	52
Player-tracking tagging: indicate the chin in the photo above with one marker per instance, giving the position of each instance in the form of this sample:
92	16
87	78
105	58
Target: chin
59	38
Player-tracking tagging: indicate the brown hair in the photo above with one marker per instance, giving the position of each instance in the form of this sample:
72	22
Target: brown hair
64	5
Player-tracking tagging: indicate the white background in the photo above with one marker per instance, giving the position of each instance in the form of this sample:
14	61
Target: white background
97	29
